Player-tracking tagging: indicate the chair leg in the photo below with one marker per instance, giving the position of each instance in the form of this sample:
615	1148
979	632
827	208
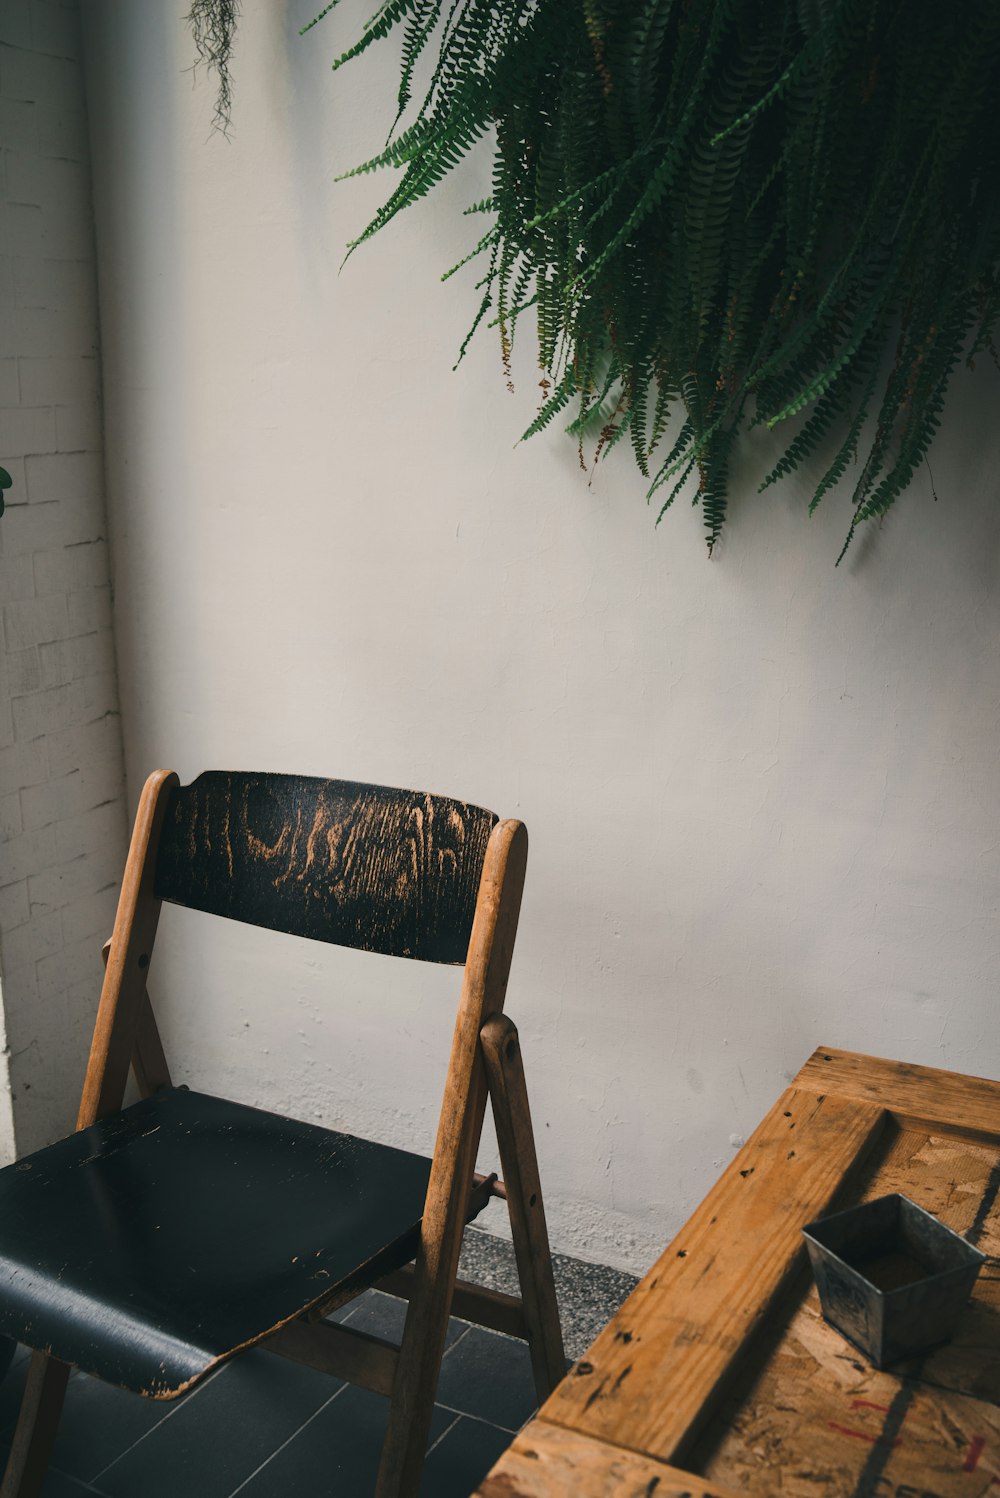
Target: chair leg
41	1406
426	1326
412	1404
505	1070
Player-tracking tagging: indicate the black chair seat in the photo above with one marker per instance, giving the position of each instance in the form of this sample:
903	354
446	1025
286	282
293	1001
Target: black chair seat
157	1242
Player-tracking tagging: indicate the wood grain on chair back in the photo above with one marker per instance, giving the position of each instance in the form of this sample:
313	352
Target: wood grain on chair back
359	865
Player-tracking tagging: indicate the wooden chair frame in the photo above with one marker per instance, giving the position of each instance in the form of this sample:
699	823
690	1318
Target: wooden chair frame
485	1062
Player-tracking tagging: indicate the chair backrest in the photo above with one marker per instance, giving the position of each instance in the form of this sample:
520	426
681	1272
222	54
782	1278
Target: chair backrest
362	866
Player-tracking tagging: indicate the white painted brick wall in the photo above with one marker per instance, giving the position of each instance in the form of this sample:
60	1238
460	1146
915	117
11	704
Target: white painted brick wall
62	801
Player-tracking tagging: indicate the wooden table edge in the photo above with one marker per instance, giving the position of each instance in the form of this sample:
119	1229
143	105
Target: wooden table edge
544	1452
925	1097
580	1410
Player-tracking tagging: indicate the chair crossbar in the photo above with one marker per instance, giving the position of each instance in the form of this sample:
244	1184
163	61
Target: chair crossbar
346	1352
494	1309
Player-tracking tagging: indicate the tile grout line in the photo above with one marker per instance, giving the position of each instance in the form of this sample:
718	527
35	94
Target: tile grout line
78	1482
447	1431
506	1430
457	1342
344	1386
183	1403
178	1406
267	1460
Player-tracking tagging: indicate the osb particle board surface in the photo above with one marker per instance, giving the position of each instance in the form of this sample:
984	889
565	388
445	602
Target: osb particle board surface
816	1419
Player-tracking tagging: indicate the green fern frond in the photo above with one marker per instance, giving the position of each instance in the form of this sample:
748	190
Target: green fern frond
730	210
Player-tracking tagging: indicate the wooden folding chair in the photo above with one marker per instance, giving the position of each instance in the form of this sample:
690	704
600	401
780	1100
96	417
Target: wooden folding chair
164	1237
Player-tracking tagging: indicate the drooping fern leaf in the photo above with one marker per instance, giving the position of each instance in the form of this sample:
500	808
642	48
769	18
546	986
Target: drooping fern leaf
722	214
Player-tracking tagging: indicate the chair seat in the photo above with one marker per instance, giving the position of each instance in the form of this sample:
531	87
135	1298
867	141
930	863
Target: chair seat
151	1246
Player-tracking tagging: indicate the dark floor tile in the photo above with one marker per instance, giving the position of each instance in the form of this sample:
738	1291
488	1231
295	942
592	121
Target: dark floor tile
488	1376
59	1484
383	1315
337	1452
100	1422
345	1312
462	1458
11	1390
221	1434
10	1352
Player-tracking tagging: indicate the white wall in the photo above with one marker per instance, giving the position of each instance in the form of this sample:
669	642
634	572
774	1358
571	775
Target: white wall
762	794
62	792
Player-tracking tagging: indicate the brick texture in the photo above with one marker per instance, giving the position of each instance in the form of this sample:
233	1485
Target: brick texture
62	801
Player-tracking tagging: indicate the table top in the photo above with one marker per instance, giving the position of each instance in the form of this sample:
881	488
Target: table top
718	1376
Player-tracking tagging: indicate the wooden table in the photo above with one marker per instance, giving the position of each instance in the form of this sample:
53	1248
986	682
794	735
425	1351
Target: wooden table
718	1375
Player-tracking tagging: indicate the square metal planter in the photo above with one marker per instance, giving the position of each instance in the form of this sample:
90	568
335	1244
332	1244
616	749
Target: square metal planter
891	1277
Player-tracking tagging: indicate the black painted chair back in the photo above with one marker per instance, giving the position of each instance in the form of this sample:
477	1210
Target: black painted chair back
358	865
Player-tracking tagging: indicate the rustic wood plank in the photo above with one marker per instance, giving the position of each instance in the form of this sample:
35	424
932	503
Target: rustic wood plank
918	1096
484	989
547	1461
813	1416
516	1142
362	866
652	1378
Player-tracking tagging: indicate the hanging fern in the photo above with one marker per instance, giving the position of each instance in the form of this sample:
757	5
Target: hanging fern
716	208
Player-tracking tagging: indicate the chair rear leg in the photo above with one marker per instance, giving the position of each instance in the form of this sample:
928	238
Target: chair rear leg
41	1406
505	1070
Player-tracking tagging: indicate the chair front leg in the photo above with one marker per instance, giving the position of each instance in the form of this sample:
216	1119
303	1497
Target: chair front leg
41	1406
426	1325
412	1404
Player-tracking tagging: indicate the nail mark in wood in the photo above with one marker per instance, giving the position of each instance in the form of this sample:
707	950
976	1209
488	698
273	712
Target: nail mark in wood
596	1394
